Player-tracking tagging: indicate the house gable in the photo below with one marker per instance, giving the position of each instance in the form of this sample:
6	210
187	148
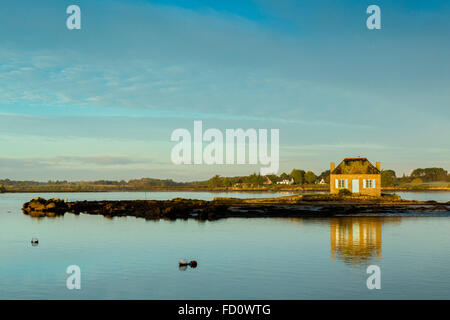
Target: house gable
355	166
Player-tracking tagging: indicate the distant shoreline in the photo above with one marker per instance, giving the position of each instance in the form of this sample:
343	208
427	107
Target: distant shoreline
275	189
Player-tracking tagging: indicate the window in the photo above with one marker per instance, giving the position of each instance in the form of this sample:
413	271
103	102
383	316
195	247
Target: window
341	183
369	183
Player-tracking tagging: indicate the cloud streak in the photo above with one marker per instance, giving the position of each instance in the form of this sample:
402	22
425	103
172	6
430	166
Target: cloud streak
71	161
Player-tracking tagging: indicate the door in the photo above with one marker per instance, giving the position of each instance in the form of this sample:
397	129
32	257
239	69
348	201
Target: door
355	186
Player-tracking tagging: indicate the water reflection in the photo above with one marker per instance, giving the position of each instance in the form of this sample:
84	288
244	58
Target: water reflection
357	241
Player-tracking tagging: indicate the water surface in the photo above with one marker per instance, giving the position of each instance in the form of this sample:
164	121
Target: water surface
130	258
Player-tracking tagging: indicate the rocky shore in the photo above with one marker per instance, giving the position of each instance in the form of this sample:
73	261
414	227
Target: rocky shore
290	206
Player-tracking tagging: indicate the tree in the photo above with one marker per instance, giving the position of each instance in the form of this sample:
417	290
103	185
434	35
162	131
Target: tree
325	175
298	176
310	177
430	174
215	182
227	182
387	178
272	177
284	175
255	179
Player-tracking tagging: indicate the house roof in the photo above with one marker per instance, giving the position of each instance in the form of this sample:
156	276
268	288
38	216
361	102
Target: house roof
355	166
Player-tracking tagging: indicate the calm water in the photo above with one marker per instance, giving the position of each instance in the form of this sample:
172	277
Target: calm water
129	258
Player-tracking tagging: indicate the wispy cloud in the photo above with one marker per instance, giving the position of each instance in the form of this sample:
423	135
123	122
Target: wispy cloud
338	146
71	162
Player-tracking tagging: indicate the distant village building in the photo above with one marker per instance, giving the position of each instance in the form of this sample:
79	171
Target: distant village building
286	181
357	175
322	181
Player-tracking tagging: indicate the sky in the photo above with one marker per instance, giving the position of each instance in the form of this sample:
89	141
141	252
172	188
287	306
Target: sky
103	101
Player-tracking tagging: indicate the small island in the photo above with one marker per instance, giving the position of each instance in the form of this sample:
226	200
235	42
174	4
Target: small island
219	208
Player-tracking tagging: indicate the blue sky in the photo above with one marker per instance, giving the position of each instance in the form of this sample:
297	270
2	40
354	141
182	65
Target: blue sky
102	102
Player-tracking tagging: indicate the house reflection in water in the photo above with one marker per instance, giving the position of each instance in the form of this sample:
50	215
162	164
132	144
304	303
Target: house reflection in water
357	240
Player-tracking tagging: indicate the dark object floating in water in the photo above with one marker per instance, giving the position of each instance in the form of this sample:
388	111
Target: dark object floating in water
183	264
34	241
182	268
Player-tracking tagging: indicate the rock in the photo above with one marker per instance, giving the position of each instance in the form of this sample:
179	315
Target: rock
291	206
40	207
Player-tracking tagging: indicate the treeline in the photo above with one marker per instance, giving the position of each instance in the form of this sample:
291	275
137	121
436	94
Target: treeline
302	177
417	177
89	186
430	175
149	182
143	181
296	177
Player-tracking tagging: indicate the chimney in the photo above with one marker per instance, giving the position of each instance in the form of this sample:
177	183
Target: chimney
331	166
378	165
